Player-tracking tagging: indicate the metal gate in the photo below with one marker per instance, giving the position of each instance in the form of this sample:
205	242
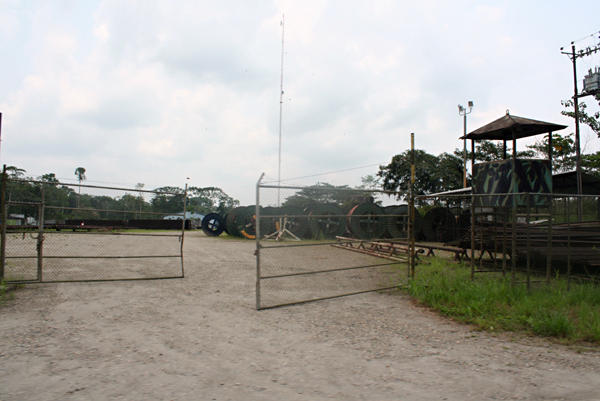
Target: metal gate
303	249
54	232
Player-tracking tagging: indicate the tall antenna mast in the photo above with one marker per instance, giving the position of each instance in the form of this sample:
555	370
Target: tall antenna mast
280	112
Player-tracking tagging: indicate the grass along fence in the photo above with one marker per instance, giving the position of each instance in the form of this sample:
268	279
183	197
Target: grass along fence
566	311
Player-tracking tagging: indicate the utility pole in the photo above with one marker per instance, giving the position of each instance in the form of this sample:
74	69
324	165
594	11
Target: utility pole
462	111
574	55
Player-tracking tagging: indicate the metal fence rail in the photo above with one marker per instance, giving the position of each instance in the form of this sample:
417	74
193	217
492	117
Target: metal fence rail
54	232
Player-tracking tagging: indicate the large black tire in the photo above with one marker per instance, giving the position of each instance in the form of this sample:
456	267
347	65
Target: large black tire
245	222
398	219
225	224
328	222
268	223
230	221
439	225
213	224
297	220
367	221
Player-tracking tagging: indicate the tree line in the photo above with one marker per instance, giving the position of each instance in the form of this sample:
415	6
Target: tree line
64	202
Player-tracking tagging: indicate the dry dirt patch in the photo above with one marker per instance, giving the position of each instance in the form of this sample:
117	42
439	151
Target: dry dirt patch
199	338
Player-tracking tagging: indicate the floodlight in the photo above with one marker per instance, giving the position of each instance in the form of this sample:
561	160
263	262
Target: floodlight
470	103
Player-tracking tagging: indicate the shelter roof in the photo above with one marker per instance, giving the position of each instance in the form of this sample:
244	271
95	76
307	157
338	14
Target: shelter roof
504	127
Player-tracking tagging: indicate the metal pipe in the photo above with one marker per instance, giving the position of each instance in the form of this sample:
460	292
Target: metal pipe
550	148
257	252
412	207
183	228
3	224
514	209
528	243
568	244
549	250
40	238
472	207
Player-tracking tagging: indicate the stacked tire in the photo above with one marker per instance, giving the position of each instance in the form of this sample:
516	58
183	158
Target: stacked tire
326	221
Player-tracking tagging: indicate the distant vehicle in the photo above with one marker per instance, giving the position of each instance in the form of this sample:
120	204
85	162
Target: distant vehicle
20	220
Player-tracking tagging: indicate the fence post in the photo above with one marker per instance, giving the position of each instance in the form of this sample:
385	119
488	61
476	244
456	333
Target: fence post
40	238
473	235
569	244
412	206
183	229
504	231
3	224
527	200
513	250
257	252
549	251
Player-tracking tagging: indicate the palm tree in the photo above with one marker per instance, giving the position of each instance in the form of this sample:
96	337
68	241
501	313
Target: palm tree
80	173
139	187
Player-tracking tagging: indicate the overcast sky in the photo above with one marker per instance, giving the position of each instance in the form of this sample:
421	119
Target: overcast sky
158	91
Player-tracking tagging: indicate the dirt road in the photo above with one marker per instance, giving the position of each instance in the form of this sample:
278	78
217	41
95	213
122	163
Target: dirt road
199	338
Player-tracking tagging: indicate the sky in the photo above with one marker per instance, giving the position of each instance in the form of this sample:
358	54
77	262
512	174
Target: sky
169	93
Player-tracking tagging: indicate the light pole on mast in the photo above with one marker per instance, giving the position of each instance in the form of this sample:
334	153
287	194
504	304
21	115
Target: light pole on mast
463	112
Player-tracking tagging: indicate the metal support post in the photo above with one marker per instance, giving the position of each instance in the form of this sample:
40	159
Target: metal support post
3	224
528	206
412	207
257	252
40	237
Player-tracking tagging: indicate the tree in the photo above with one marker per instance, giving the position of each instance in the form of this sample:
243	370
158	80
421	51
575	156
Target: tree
15	172
563	154
51	177
322	192
139	187
584	118
210	200
13	186
490	151
370	182
589	162
80	173
432	173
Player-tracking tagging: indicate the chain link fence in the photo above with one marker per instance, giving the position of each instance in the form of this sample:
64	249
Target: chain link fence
322	242
54	232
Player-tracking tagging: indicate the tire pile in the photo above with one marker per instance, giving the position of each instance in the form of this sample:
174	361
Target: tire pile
327	221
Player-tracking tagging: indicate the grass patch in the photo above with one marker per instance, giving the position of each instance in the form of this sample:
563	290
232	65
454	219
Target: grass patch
7	291
491	303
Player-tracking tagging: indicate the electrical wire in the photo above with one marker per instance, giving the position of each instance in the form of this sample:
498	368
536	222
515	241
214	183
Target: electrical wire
330	172
586	37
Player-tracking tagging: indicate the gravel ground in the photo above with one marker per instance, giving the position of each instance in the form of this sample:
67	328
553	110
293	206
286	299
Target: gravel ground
200	338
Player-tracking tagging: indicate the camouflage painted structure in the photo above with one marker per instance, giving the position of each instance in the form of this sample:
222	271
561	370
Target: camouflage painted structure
495	178
526	178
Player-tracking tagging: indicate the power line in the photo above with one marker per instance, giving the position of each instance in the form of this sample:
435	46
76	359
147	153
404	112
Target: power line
586	37
330	172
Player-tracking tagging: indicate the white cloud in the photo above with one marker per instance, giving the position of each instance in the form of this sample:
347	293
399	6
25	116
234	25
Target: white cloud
156	91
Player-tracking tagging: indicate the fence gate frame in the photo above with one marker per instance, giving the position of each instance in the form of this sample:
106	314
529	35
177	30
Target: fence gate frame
260	248
40	237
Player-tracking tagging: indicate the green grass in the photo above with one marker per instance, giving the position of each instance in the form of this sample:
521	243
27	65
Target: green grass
490	302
